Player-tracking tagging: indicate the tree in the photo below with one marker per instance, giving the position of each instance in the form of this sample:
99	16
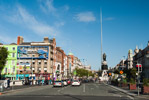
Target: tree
82	72
3	58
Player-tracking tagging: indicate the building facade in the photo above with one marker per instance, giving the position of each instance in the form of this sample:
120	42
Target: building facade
9	70
142	57
35	58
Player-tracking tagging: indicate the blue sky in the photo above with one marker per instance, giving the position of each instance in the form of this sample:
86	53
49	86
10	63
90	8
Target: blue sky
76	25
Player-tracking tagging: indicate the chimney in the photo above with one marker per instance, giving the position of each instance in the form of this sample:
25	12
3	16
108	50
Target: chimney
20	40
46	40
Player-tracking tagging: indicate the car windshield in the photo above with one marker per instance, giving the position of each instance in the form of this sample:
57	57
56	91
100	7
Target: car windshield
74	49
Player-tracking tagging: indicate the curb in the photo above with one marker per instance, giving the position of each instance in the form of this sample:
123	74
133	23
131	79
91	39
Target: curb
123	91
126	92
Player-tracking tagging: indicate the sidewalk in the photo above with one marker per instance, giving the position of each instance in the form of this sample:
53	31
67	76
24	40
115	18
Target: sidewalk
133	93
14	88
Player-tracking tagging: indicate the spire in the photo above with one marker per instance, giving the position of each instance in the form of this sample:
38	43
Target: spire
136	50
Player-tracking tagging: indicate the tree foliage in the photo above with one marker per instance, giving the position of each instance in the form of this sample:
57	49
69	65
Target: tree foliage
3	57
130	74
82	72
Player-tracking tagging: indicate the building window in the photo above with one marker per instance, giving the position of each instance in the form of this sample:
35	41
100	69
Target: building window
6	62
45	63
33	63
13	54
13	69
13	48
5	70
13	62
39	63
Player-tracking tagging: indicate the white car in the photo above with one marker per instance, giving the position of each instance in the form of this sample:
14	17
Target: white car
75	83
58	84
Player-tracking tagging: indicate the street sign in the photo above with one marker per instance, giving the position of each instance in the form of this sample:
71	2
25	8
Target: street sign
121	72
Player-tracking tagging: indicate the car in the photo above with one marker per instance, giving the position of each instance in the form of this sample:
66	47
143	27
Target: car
75	83
58	83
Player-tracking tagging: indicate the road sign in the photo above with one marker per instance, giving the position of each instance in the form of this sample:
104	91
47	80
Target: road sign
121	72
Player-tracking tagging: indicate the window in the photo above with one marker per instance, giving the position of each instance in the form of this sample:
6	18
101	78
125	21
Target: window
13	69
33	62
6	62
39	63
13	62
13	48
13	54
45	63
5	70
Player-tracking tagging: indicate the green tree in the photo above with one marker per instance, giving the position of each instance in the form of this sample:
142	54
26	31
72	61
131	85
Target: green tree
3	58
82	72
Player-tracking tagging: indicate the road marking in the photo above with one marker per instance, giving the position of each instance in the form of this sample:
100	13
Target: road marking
92	88
84	88
58	90
96	85
130	97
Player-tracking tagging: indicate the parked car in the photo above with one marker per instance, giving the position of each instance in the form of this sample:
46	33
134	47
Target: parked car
58	83
76	83
65	82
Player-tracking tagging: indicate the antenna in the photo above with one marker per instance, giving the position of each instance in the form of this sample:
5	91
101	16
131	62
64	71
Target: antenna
101	33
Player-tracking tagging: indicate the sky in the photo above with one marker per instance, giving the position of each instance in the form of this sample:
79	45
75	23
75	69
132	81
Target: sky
76	26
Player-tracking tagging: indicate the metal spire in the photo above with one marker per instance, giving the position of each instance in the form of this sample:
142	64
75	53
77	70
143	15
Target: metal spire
101	33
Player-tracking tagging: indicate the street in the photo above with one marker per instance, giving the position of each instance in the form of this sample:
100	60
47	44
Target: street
86	91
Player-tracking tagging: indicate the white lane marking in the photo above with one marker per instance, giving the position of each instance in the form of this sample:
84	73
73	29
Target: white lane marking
130	97
58	90
84	88
96	85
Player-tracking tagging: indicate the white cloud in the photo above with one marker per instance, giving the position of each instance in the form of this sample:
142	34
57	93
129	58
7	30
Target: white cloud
29	21
85	17
48	7
109	18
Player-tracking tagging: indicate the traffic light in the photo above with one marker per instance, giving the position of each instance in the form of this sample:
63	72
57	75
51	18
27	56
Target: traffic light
139	66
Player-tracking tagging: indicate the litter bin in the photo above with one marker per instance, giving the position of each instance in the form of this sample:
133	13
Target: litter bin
1	87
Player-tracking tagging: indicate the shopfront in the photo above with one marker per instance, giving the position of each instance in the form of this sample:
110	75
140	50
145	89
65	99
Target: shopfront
21	76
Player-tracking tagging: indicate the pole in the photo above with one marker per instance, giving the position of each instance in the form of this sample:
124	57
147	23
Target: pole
101	34
32	65
138	80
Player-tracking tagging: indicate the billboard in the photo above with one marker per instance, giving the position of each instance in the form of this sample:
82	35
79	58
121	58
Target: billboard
33	52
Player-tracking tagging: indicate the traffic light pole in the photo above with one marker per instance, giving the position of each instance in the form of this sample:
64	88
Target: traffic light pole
138	80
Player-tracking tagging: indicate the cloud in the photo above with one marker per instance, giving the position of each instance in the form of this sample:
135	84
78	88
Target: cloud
29	21
48	7
85	17
109	18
